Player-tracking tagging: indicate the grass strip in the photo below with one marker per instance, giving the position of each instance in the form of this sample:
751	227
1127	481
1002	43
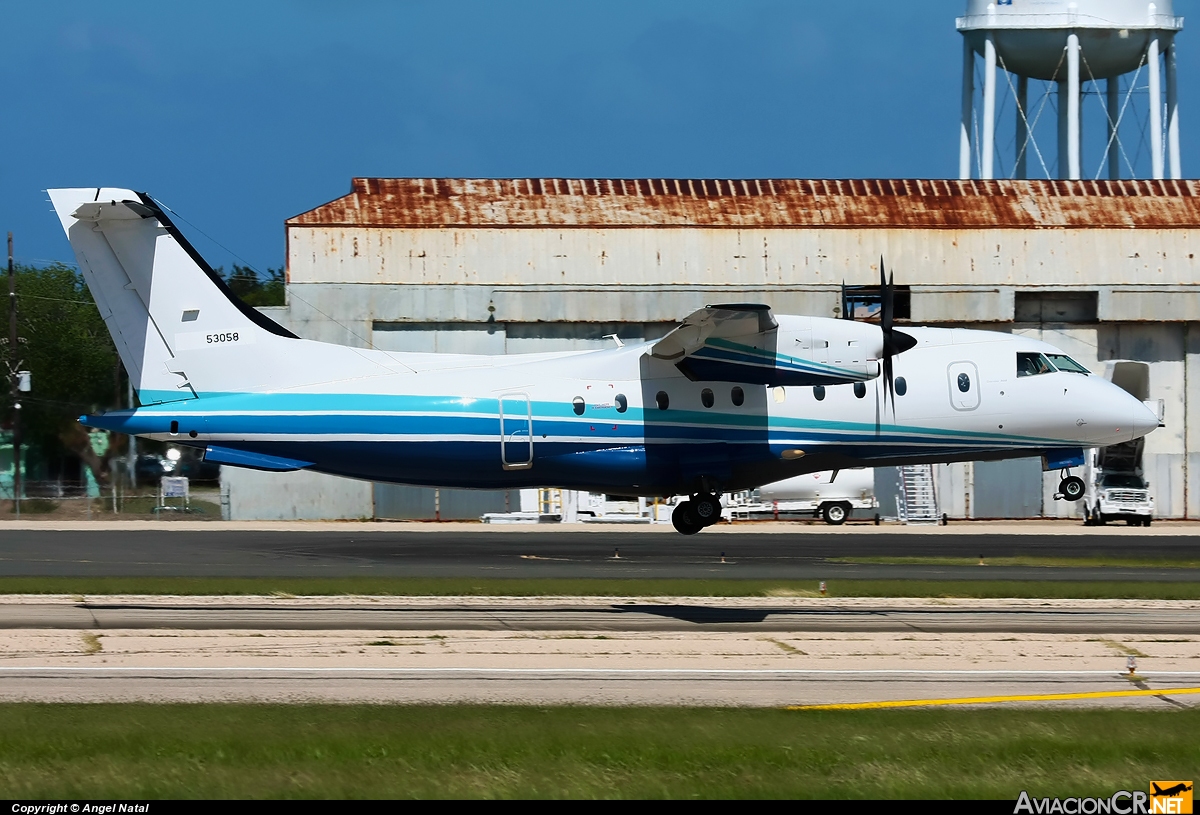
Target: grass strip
1026	560
597	587
124	751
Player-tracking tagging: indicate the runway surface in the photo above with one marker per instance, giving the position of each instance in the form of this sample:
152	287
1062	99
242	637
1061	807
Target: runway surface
744	651
597	687
709	651
521	553
600	616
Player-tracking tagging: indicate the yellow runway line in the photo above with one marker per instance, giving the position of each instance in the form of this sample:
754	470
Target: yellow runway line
991	700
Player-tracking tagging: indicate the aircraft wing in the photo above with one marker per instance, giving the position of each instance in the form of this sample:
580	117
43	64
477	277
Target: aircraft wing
730	322
742	342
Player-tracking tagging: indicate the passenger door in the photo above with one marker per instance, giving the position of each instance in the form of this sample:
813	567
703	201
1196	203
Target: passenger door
516	431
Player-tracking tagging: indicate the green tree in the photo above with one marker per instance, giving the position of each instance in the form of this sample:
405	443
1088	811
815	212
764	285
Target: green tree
67	348
255	289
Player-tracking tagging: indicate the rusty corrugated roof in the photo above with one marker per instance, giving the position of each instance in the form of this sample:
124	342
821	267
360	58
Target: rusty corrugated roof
758	202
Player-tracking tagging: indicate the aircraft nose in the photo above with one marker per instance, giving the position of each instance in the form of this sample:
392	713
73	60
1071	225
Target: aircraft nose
1112	415
1144	419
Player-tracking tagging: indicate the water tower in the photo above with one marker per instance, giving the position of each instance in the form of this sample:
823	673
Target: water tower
1069	45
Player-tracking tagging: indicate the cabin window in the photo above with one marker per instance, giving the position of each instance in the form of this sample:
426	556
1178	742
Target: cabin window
622	403
1031	363
964	383
662	400
577	405
707	398
174	428
860	390
779	393
901	386
819	392
1064	363
737	396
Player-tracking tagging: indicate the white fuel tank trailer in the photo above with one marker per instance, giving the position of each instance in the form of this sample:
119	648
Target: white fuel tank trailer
832	494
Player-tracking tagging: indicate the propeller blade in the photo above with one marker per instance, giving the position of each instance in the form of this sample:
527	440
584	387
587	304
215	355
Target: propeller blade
889	383
886	315
885	300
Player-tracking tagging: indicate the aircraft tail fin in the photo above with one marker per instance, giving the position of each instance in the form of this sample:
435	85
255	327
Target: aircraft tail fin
158	297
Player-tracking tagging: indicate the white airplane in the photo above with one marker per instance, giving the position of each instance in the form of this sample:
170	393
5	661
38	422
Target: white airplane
733	398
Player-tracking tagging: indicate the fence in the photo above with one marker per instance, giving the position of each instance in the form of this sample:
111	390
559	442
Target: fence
67	501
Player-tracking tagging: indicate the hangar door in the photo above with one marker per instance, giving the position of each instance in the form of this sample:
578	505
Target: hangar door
396	502
1008	489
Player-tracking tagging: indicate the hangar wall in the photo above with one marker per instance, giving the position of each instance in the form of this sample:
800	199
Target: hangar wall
1105	270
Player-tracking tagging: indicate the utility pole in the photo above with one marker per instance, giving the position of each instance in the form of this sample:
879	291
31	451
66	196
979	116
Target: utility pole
12	379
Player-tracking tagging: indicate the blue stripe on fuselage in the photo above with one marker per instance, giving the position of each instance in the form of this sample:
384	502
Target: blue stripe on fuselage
454	441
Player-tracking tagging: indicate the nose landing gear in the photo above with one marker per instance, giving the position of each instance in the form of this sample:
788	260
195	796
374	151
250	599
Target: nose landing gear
696	513
1071	488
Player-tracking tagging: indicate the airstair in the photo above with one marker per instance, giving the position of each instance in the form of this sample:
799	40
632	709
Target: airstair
918	496
550	501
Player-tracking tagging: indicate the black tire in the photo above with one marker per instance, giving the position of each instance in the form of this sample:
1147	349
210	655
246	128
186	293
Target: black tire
684	519
835	514
1133	521
1098	518
706	509
1147	521
1072	488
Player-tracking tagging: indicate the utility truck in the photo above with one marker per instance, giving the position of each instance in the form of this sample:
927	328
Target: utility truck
1117	489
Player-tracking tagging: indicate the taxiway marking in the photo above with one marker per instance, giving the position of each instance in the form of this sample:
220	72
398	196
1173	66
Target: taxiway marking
990	700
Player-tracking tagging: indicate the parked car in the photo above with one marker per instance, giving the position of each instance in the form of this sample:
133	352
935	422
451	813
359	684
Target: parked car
151	467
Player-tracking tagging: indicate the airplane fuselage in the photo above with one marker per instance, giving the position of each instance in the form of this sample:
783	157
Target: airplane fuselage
620	420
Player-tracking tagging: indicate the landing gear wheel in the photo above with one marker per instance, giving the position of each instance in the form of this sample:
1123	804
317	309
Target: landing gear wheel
706	509
684	519
1071	488
834	514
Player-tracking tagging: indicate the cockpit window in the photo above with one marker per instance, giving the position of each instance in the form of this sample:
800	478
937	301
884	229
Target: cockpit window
1065	363
1030	363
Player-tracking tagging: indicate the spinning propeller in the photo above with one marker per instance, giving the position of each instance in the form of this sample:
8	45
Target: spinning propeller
894	342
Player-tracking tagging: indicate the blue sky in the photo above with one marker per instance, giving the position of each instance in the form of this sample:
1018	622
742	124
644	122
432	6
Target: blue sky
239	115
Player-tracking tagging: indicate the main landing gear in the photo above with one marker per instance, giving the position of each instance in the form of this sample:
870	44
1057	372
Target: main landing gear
696	513
1071	488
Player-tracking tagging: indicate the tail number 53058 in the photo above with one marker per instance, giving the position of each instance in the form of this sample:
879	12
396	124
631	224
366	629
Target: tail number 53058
227	337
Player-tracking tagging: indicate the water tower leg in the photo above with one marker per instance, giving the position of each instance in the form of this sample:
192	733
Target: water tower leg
1073	139
1022	127
1061	169
1172	115
1112	92
987	150
1156	130
968	96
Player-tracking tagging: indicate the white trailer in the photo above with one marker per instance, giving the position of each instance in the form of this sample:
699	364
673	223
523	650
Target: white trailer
831	495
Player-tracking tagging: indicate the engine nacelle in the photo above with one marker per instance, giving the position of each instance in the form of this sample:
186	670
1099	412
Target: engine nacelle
826	351
746	343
